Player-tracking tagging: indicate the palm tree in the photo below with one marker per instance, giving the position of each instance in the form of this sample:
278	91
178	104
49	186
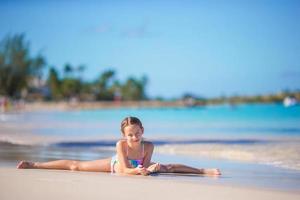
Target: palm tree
17	67
68	70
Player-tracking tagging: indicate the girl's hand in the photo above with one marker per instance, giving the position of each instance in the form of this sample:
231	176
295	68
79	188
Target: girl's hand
154	168
142	171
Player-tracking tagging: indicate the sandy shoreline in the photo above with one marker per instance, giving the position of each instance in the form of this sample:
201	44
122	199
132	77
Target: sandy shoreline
52	184
64	105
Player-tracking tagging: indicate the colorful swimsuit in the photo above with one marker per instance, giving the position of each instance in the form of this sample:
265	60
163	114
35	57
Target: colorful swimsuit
133	162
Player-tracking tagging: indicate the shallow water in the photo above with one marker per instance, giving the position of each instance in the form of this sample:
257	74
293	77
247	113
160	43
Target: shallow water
240	174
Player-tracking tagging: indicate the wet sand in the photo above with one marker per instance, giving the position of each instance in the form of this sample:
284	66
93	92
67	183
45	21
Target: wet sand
52	184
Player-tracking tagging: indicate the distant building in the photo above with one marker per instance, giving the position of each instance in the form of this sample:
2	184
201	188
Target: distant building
289	101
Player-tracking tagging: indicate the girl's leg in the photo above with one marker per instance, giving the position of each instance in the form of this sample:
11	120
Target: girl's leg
179	168
91	166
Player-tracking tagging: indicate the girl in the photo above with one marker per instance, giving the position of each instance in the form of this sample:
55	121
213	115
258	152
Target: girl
133	157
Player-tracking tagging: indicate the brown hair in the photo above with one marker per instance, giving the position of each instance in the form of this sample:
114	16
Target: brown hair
130	121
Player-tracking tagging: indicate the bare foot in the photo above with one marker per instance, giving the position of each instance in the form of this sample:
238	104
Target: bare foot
212	171
25	165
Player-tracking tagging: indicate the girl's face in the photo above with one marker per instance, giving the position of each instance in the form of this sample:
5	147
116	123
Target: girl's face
133	133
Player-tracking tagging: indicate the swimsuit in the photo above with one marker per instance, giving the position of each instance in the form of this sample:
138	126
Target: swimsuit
133	162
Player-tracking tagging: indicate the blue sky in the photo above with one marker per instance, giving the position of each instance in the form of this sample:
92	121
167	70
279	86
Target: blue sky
208	48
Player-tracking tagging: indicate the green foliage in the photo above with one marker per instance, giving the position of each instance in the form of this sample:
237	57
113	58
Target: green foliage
134	89
17	67
104	86
19	71
53	83
70	87
233	100
68	70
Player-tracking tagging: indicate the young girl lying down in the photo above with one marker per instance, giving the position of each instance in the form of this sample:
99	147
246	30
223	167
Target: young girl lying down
133	156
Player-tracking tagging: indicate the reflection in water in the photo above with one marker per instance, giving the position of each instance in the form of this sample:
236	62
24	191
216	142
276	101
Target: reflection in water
11	153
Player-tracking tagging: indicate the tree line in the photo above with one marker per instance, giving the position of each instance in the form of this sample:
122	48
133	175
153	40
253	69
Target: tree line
21	77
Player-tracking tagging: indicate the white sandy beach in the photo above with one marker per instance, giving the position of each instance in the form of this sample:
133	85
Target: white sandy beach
52	184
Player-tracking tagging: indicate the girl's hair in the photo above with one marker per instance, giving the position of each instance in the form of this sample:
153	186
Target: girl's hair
130	121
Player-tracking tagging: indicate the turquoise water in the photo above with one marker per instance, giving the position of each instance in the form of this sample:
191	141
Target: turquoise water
200	122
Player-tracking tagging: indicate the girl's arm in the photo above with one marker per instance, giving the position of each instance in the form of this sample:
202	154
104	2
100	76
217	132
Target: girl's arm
149	147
